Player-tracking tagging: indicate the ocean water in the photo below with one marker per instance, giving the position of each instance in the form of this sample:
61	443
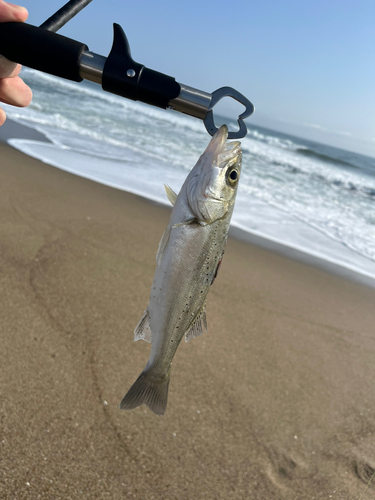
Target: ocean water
306	195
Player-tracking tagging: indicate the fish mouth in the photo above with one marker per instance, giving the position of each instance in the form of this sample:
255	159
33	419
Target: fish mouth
220	151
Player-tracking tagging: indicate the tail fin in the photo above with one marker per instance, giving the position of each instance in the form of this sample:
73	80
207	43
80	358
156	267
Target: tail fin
148	391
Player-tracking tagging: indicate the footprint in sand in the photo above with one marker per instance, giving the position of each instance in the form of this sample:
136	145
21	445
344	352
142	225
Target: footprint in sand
283	467
365	470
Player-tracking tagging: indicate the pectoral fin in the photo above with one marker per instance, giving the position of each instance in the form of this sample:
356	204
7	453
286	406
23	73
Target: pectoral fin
217	268
185	223
198	326
143	330
163	243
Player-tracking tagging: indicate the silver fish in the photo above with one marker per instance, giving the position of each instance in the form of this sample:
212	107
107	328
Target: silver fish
188	260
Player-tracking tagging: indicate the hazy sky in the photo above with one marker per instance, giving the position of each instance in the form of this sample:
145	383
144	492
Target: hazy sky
308	66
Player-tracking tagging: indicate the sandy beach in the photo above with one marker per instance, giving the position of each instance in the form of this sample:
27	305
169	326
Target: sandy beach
277	401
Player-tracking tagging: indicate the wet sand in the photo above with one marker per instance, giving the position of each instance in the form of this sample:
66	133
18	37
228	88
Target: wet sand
277	401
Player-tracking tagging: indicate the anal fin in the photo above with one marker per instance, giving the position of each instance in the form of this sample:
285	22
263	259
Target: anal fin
198	326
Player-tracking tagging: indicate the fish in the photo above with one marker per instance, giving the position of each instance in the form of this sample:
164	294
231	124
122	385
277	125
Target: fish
188	260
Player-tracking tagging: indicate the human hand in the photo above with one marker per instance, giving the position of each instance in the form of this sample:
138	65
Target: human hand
12	88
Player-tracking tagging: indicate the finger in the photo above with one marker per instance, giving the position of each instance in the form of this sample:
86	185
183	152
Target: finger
8	68
14	91
2	117
10	13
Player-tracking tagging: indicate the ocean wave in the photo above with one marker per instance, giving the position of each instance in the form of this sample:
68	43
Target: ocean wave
326	158
263	155
29	75
67	133
274	141
320	152
136	147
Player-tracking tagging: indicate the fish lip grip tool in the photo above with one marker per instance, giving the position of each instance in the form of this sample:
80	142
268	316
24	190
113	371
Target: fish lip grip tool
200	104
43	49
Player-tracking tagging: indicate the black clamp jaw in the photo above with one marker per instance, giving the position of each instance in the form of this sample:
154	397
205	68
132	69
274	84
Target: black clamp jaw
41	49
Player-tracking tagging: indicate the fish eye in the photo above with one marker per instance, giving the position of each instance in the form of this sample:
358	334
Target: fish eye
232	176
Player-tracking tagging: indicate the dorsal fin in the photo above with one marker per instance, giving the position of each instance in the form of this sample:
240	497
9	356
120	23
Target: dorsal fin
171	195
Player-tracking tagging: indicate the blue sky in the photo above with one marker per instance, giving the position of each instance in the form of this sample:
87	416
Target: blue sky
308	66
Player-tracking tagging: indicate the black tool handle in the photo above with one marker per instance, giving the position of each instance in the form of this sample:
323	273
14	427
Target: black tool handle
40	49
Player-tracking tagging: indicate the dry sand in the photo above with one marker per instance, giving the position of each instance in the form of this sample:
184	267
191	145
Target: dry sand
277	401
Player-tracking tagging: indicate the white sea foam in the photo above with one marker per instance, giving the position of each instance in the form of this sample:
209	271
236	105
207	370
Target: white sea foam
119	174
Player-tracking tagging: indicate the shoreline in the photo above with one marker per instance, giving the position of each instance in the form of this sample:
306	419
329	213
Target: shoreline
14	130
300	256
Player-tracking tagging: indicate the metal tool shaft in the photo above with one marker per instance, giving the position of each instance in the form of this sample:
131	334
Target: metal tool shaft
91	66
191	101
